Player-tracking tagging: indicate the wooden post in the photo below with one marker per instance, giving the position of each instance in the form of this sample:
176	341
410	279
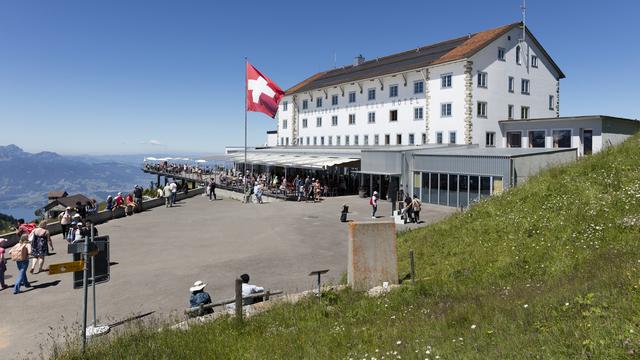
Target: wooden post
412	266
266	295
239	299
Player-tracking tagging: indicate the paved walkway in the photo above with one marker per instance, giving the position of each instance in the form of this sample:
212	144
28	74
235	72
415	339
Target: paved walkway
161	252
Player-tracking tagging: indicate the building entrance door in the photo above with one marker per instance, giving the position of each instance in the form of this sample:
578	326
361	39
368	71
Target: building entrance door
587	143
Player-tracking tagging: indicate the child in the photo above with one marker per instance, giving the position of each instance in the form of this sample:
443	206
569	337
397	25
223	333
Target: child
3	267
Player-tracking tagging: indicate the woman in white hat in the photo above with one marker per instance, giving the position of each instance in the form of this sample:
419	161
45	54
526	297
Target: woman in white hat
200	297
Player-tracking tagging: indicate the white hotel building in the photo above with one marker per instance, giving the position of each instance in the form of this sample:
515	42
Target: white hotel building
452	92
452	122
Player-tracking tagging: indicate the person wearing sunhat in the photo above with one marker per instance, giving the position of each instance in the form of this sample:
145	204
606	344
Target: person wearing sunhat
200	297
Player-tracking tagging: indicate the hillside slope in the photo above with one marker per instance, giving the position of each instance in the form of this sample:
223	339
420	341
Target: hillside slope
549	270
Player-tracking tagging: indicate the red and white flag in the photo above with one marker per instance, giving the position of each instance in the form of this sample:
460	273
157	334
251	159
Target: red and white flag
263	95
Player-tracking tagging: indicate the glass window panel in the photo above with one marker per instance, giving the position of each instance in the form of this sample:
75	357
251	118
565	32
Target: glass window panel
485	187
433	189
443	197
474	187
561	138
537	138
463	186
453	190
416	184
497	185
425	188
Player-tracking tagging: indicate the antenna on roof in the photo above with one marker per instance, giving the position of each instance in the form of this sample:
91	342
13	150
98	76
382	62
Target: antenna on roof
523	8
335	60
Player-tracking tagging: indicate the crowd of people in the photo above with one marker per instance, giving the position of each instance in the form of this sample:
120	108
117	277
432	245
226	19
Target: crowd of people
131	203
179	169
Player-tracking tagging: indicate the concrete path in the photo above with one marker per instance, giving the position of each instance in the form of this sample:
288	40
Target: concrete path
161	252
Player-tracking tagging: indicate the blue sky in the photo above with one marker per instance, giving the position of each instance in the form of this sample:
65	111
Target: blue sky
113	77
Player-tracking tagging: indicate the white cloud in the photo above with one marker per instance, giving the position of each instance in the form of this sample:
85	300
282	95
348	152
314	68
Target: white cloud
153	142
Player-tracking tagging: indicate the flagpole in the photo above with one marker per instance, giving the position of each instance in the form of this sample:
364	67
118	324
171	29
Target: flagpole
244	193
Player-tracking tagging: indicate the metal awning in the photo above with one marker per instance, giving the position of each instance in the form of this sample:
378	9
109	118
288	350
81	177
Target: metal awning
293	160
376	173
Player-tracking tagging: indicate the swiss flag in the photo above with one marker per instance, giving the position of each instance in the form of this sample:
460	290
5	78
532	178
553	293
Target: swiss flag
263	95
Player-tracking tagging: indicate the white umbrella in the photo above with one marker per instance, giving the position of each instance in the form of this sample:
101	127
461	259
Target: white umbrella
201	161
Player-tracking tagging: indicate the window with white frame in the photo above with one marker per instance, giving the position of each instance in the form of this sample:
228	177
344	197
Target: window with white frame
393	115
376	139
305	104
352	97
337	139
439	137
352	119
305	123
482	109
524	112
318	102
356	140
537	138
318	122
334	120
393	91
371	94
514	139
418	113
301	141
525	87
412	139
418	87
482	79
398	139
330	139
315	140
346	140
322	140
552	103
371	117
518	61
445	81
510	112
501	52
445	110
287	141
452	137
387	139
284	124
334	100
366	140
534	61
285	105
511	84
490	139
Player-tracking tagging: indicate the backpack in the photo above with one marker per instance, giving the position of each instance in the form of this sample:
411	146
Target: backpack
19	252
371	200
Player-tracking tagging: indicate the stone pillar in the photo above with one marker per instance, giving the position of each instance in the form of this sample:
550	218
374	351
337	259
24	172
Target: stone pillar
373	255
468	102
558	98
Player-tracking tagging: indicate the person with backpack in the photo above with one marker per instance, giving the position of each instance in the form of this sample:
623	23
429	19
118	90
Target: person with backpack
40	243
20	254
373	201
416	204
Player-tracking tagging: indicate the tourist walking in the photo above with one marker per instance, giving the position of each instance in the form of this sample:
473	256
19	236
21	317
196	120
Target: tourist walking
65	220
416	204
212	190
20	254
3	268
407	211
174	191
168	196
373	201
40	243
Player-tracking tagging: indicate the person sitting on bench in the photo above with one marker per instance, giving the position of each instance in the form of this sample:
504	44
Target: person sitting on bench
248	289
200	297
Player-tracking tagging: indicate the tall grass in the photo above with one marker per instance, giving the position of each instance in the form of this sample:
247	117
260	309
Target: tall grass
549	270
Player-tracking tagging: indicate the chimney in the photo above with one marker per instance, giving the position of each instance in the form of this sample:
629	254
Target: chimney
358	60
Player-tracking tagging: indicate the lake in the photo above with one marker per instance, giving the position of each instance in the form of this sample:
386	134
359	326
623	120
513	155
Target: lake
20	213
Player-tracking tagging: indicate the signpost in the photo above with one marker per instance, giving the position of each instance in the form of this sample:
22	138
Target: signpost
90	255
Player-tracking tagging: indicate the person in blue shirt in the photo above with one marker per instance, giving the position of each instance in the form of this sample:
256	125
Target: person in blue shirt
200	297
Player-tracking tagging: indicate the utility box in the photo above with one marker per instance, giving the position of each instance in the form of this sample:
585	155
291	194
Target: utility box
373	257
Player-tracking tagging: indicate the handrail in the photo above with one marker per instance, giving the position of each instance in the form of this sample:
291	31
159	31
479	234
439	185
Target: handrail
266	294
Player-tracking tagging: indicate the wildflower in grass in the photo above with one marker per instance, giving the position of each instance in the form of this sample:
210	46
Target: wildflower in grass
526	306
473	326
398	342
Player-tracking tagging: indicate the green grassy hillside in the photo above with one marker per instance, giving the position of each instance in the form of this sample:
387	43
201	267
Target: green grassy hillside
549	270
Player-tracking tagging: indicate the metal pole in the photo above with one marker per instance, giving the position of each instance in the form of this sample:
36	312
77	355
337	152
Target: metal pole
85	290
244	193
319	292
412	266
239	299
93	280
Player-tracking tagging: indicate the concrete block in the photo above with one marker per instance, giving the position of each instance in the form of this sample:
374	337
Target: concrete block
373	255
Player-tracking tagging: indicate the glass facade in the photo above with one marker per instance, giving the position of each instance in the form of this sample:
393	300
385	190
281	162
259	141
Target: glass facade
454	189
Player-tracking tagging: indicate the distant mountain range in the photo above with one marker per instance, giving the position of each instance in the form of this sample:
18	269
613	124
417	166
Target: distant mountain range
25	178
